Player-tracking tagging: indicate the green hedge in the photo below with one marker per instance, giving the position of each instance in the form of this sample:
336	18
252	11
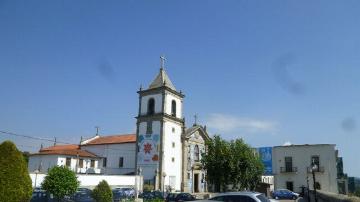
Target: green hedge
15	181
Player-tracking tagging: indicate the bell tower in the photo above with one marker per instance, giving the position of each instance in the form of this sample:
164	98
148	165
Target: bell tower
159	127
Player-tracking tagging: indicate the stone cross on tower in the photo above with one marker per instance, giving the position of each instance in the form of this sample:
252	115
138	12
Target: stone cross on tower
162	61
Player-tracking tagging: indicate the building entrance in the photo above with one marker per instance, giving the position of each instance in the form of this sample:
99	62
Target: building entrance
196	182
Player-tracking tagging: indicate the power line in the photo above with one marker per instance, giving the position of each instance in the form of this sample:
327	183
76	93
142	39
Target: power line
32	137
53	141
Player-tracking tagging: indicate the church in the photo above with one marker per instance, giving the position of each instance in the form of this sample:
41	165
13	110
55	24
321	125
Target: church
164	151
168	153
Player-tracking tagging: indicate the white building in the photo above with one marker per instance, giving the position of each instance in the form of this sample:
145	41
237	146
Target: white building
78	160
117	153
166	153
291	167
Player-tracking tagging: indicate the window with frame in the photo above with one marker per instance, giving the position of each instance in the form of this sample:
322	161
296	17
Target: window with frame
173	159
173	129
288	164
92	164
104	162
315	160
173	108
196	153
173	144
68	162
121	162
151	107
81	163
149	127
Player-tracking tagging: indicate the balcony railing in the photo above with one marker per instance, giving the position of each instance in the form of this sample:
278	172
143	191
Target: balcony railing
288	169
320	169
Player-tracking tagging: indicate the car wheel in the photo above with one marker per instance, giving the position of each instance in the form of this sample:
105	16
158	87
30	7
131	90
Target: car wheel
276	197
294	197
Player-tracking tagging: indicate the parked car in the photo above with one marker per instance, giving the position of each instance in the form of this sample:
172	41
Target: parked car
284	194
118	195
82	195
179	197
243	196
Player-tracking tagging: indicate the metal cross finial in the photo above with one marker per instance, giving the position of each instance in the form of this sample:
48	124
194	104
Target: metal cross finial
97	130
162	61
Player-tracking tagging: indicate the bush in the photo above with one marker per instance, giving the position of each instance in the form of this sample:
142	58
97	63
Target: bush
15	181
60	182
102	192
148	187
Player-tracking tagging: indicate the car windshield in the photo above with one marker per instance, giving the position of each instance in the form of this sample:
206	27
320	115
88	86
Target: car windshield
262	198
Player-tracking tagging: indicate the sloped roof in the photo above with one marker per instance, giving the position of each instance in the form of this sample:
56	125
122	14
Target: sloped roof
68	150
61	147
191	130
114	139
162	79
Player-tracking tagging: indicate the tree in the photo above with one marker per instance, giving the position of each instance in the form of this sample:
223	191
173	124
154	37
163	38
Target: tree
232	163
102	192
26	156
216	161
60	182
15	181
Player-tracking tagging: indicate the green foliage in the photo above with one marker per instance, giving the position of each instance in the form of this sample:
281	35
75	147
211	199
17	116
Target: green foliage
232	162
60	182
102	192
15	182
357	192
148	187
26	157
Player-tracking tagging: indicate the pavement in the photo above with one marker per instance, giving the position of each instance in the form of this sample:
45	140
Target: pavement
298	200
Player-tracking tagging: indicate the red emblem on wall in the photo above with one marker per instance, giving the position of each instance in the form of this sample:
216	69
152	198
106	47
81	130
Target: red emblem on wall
147	148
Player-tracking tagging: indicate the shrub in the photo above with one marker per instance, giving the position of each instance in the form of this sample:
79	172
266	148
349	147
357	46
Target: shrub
60	182
148	187
15	182
102	192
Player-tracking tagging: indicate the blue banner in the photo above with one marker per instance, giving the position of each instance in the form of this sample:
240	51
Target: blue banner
266	158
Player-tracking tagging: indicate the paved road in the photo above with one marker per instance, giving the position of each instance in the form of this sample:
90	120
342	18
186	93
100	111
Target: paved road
298	200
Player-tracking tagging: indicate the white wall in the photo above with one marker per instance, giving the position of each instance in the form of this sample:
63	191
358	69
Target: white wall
172	168
144	103
113	152
301	157
92	180
45	162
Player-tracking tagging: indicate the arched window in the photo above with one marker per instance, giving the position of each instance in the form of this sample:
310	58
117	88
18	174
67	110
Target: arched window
151	106
173	108
196	153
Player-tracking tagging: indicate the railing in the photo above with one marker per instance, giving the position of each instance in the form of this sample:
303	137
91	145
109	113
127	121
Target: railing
320	169
288	169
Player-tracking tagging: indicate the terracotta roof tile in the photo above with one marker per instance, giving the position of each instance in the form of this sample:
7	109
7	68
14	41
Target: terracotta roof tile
61	147
70	150
114	139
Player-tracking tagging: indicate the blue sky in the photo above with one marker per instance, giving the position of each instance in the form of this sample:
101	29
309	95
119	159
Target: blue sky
267	71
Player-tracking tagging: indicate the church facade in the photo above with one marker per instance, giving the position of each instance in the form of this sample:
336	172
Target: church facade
168	154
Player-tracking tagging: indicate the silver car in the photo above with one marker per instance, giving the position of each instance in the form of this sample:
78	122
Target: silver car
244	196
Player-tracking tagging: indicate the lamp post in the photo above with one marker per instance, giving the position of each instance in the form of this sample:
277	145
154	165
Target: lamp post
314	168
139	171
36	173
164	175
